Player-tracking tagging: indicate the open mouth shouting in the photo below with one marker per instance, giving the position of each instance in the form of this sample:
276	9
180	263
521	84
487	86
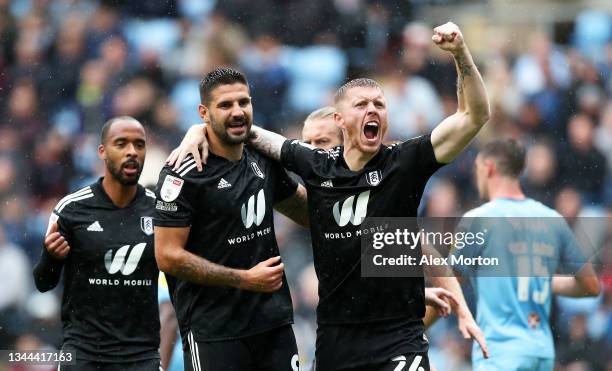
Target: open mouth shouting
371	133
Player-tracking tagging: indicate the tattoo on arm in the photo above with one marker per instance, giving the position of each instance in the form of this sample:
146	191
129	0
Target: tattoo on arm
266	142
198	270
463	68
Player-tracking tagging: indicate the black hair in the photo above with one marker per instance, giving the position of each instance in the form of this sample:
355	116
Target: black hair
107	125
219	76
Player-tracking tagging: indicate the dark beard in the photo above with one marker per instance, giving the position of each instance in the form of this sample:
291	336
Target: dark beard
118	176
221	132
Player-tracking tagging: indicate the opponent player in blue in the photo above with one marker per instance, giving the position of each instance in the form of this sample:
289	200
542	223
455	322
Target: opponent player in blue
513	300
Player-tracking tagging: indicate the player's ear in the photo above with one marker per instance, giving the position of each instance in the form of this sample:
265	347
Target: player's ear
101	152
339	120
490	166
203	111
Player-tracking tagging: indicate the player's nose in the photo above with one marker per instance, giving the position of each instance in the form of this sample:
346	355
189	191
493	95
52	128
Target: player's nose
372	110
237	111
131	150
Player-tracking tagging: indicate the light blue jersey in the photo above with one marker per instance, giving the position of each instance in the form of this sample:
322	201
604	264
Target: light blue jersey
532	242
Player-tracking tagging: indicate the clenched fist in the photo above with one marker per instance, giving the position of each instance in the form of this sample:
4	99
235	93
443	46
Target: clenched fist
56	244
266	276
448	37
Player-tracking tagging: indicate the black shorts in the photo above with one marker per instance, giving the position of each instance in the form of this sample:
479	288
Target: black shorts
269	351
371	346
86	365
404	362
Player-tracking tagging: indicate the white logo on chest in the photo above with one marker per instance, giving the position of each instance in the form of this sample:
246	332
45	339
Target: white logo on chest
123	262
254	212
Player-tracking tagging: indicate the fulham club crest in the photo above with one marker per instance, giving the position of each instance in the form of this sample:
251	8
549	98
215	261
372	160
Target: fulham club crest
374	177
171	188
146	224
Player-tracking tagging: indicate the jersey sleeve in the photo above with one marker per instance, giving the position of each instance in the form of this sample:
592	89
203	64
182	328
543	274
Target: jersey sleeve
302	158
417	156
48	270
571	258
176	194
63	214
284	185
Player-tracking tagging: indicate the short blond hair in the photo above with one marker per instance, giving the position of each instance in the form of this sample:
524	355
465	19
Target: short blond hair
355	83
321	113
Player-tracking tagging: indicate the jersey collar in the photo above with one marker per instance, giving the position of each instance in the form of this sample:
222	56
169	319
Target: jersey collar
99	189
371	163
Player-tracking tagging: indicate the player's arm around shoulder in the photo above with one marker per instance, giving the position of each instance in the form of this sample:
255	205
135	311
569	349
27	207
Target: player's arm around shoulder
455	132
266	142
195	143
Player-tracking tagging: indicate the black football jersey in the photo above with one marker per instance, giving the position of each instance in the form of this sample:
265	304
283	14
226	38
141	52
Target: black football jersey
109	306
390	185
229	209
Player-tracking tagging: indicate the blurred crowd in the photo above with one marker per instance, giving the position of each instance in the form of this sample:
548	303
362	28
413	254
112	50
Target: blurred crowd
66	66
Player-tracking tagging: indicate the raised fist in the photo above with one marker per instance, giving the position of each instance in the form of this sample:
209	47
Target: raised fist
448	37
